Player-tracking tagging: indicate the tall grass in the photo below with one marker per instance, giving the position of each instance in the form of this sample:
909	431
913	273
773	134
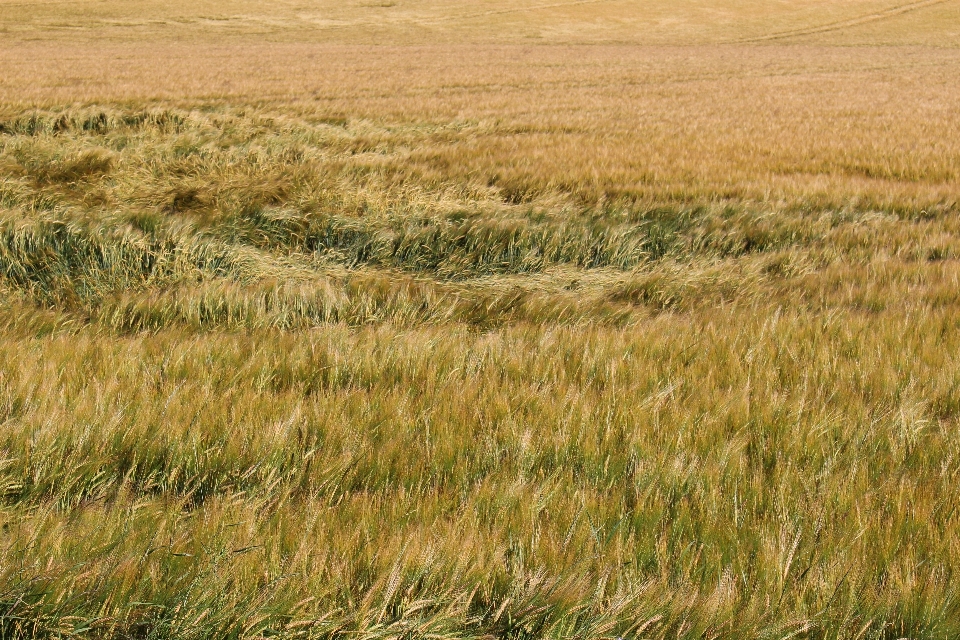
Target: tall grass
258	379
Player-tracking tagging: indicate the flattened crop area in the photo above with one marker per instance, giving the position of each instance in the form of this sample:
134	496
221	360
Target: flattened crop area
512	325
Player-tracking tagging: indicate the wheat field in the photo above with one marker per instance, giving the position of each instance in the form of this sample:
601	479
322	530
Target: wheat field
419	319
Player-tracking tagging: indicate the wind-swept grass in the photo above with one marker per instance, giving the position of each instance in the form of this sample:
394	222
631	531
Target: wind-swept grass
258	378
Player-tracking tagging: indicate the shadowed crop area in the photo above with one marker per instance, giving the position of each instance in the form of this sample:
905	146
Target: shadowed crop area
387	320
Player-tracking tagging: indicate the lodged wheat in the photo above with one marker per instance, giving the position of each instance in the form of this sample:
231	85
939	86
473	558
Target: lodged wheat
478	339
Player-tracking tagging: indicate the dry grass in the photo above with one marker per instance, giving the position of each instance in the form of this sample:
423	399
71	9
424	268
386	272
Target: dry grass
562	320
802	126
870	22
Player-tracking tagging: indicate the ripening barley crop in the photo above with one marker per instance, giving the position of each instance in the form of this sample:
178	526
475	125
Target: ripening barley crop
414	320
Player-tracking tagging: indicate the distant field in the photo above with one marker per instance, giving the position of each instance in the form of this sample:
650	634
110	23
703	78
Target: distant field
486	320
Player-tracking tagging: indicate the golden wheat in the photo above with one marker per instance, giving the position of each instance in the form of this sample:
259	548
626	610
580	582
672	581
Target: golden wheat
526	320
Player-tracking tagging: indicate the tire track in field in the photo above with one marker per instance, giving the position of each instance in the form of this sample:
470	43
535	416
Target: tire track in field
497	12
892	12
46	3
420	22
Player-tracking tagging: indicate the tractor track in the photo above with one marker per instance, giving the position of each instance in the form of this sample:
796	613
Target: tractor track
892	12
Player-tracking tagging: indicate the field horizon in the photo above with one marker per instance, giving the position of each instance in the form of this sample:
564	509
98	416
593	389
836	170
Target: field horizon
409	319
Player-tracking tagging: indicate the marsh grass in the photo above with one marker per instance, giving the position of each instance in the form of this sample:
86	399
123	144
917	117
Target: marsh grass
260	379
